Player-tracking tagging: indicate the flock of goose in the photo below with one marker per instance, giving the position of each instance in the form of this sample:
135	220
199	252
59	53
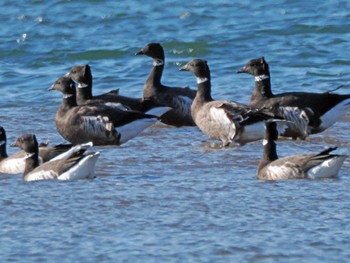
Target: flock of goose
85	120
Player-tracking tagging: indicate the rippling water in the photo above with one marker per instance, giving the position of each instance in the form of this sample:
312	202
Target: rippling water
166	196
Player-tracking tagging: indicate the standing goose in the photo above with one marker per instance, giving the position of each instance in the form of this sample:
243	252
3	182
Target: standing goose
312	166
308	112
223	120
180	99
14	164
83	76
98	123
72	167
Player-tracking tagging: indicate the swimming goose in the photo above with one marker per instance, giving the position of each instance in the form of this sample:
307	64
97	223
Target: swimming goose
14	164
180	99
312	166
98	123
308	112
223	120
72	167
83	76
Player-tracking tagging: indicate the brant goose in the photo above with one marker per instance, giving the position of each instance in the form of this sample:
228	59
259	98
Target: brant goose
101	124
309	113
180	99
72	167
83	76
312	166
15	163
223	120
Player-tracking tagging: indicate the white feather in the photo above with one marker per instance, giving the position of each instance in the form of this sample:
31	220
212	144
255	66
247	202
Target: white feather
117	105
12	165
223	123
158	111
72	150
41	175
282	172
252	132
96	125
335	114
297	118
132	129
84	169
328	168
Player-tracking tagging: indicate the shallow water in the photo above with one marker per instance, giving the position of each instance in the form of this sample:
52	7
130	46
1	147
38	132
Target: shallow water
167	196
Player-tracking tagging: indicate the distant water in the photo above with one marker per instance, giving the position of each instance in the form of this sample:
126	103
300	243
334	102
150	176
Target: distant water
166	196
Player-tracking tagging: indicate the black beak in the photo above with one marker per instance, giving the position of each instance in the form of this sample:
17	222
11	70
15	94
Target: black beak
184	68
14	144
139	53
242	70
52	87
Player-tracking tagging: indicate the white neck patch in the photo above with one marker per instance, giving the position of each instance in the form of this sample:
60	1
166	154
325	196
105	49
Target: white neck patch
28	155
158	62
82	85
2	142
201	80
266	142
261	77
66	96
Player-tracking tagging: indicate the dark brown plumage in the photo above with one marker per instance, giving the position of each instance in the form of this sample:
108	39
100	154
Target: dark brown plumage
308	112
98	123
311	166
180	99
76	165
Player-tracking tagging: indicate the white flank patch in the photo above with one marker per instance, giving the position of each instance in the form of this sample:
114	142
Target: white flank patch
132	129
265	142
297	118
85	169
96	126
158	111
12	165
117	105
335	114
41	175
223	124
328	168
283	172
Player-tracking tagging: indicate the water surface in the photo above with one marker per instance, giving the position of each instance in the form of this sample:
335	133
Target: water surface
166	196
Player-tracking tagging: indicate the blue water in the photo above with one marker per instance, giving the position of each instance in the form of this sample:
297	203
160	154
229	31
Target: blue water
166	196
